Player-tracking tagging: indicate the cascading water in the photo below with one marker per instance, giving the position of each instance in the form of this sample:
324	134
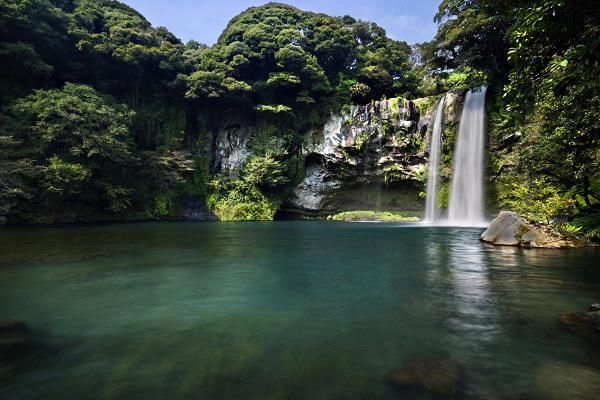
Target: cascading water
466	194
434	164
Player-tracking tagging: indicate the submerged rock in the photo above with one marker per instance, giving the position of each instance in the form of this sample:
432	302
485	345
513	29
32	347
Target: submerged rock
510	229
559	381
14	339
438	375
586	324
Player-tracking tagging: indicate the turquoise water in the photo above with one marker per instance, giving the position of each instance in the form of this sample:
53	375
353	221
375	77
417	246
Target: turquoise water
285	310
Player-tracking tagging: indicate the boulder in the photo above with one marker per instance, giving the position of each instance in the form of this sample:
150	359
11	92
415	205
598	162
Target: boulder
559	381
510	229
438	375
586	324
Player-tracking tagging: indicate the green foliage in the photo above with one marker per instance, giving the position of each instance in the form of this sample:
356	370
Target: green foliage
463	78
421	175
537	200
394	174
251	197
545	117
360	93
119	198
33	38
73	138
212	84
393	103
425	104
74	145
106	114
361	139
283	79
65	179
75	120
275	109
297	58
162	205
543	56
379	216
588	224
15	175
568	229
265	171
238	200
471	34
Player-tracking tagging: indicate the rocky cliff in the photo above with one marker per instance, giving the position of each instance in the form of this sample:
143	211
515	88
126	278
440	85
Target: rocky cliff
367	157
370	157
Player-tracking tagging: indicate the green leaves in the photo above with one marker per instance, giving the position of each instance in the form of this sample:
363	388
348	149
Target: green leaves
264	171
64	178
76	139
77	119
274	109
294	58
214	84
538	200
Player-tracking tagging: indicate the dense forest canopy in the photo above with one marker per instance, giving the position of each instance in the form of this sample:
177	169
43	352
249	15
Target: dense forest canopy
105	116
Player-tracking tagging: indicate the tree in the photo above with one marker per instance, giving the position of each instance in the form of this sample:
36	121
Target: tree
555	52
77	142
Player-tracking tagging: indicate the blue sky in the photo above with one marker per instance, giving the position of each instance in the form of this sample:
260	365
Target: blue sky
202	20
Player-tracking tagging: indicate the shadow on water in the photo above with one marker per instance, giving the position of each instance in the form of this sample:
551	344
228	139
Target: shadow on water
284	310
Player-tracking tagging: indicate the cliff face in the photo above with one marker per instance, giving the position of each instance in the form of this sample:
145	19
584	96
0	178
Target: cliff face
367	157
370	156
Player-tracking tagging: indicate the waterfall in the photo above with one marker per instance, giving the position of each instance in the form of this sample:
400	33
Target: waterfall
466	194
434	164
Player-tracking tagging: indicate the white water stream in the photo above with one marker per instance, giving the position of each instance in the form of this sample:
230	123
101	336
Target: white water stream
435	153
466	203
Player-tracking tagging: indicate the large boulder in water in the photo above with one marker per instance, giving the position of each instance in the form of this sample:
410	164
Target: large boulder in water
438	375
510	229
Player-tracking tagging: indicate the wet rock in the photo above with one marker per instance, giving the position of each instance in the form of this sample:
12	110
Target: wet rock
586	324
231	147
453	106
510	229
438	375
560	381
14	339
314	188
363	147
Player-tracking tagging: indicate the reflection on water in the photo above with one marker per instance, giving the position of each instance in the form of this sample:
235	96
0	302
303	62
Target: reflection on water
282	310
476	319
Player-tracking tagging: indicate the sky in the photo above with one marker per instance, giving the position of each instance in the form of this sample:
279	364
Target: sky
203	20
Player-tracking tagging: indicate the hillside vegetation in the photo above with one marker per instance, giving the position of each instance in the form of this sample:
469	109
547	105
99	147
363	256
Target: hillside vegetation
105	117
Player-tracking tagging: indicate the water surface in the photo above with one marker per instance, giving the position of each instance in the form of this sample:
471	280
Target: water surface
286	310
